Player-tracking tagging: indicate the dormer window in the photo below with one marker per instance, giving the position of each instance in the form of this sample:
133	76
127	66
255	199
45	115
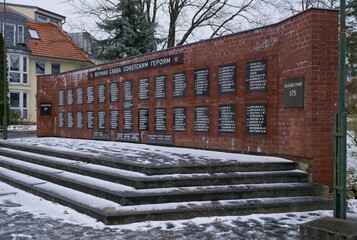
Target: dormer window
14	34
33	34
20	34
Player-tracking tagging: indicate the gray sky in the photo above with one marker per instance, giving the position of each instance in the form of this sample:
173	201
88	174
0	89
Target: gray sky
73	23
51	5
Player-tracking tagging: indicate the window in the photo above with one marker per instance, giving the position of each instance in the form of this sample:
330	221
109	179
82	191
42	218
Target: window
42	18
19	102
24	69
20	34
33	34
40	68
18	70
10	30
14	34
55	68
14	100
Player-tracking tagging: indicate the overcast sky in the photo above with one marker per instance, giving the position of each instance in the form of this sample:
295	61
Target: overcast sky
57	7
51	5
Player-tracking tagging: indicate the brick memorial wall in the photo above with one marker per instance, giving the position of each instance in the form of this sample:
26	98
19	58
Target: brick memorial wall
271	90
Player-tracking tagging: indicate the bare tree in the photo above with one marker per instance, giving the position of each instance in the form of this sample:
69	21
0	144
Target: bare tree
183	21
292	7
213	17
175	8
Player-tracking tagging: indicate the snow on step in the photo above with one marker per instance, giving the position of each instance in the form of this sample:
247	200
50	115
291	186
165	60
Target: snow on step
98	183
142	176
143	154
84	165
110	208
75	196
120	188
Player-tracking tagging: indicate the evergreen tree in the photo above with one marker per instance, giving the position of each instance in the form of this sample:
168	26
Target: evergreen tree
3	73
130	33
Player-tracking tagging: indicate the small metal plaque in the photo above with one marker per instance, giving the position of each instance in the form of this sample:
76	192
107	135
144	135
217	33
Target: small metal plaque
128	137
256	118
46	109
294	93
101	136
164	139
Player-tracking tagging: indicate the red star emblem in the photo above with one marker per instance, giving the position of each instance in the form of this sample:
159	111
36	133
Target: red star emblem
176	59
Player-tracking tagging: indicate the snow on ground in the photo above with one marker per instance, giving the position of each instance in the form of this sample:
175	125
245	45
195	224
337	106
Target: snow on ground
351	169
255	226
21	128
26	216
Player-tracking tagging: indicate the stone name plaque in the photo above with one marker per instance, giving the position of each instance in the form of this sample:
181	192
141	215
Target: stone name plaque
99	135
144	89
294	93
69	97
143	119
160	87
256	119
128	137
226	118
128	94
202	120
90	119
101	120
114	92
257	76
114	119
179	119
61	119
70	122
160	119
79	119
61	98
79	96
90	95
101	93
227	79
179	82
128	119
128	90
164	139
202	82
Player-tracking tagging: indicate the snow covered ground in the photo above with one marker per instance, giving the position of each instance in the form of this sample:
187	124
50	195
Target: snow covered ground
21	128
25	216
351	169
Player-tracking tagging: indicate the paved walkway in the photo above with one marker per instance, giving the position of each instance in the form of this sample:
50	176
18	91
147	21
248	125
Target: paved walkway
23	225
18	134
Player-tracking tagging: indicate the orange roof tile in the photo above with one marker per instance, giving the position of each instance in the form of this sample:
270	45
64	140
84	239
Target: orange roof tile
54	43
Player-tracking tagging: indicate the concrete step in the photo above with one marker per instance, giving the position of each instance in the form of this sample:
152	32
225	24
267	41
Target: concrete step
128	196
114	213
185	167
140	180
131	187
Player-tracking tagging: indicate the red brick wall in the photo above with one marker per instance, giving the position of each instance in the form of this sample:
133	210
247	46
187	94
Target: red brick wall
302	46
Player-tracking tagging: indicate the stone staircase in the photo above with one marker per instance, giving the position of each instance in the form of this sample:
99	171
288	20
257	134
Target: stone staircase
116	191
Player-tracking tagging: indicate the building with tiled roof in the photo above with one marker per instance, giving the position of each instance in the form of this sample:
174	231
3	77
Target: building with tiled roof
53	42
35	45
